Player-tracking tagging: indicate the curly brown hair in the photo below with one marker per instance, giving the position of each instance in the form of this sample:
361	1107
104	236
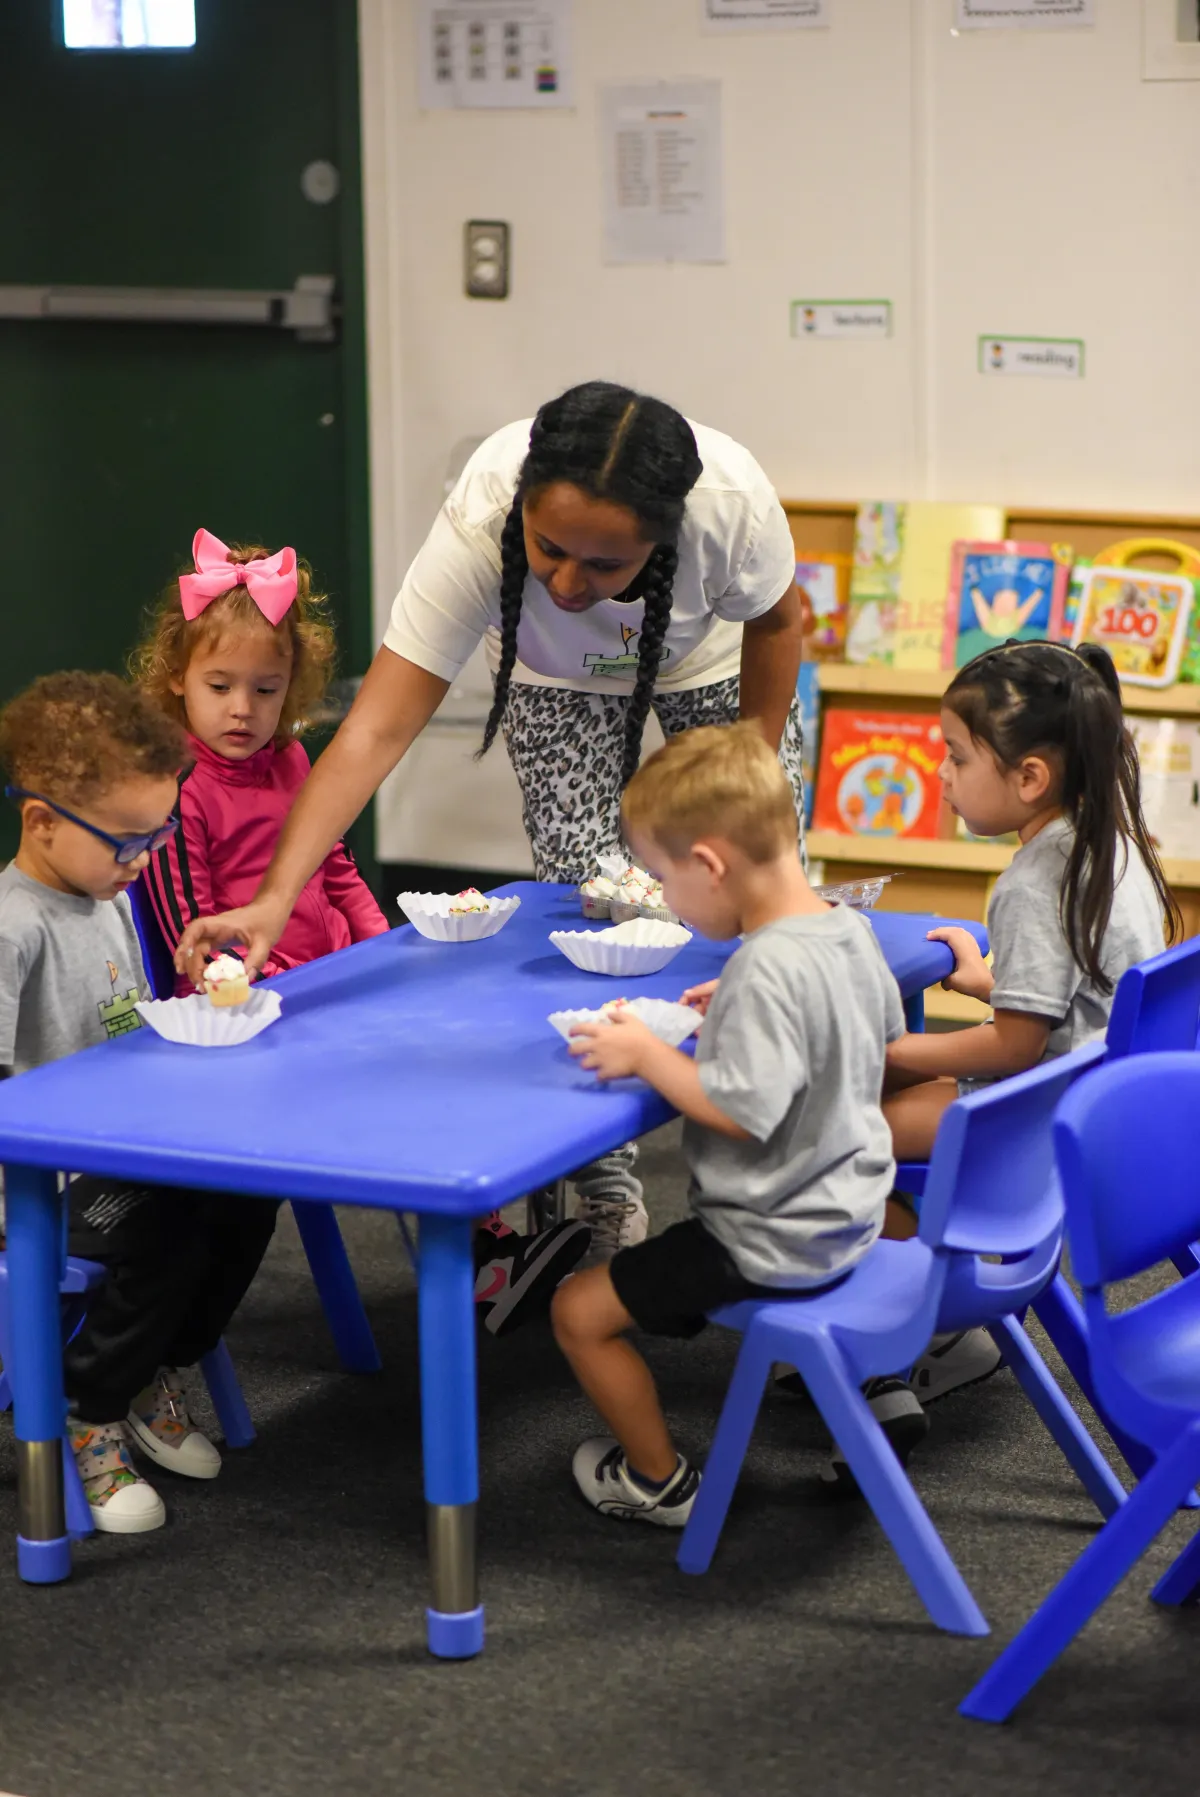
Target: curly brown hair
171	640
74	736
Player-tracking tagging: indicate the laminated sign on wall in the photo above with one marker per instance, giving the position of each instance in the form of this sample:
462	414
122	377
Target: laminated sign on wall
493	53
764	15
976	15
662	173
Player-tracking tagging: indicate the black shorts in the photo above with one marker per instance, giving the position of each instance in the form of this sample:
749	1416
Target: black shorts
669	1283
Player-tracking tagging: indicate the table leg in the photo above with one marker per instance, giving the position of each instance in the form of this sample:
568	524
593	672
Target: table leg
34	1231
914	1013
449	1432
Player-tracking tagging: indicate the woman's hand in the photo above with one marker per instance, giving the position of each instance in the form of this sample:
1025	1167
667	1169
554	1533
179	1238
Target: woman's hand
972	975
613	1050
256	927
700	997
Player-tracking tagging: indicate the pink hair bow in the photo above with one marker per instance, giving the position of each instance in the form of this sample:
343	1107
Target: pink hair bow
270	581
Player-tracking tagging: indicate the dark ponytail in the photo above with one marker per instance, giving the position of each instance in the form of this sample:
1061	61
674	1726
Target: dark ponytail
614	444
1036	698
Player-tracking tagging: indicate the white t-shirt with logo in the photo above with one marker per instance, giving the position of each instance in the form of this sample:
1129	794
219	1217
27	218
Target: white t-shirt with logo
736	561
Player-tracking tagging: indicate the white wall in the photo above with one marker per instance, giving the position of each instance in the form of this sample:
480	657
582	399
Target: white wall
1014	182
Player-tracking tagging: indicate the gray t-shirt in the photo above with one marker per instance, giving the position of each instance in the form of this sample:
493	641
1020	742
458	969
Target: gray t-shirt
70	971
793	1050
1032	964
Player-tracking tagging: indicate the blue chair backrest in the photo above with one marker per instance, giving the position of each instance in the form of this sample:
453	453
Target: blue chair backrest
1157	1004
1126	1145
991	1187
156	956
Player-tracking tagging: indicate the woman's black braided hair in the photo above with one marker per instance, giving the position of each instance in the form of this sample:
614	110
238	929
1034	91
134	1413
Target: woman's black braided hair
1026	698
637	452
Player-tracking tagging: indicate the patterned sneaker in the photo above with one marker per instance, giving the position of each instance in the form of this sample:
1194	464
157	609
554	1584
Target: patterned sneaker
953	1361
162	1429
516	1279
610	1203
897	1410
603	1475
122	1503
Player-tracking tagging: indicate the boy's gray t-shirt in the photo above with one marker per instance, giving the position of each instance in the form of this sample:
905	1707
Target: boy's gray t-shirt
70	971
1032	964
792	1049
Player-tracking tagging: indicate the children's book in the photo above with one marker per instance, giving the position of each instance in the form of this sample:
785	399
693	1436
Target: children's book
1169	754
930	530
1003	590
1078	574
875	581
879	774
808	692
826	580
1140	616
1183	558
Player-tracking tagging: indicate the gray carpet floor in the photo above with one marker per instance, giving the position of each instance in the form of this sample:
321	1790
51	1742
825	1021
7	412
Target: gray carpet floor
270	1639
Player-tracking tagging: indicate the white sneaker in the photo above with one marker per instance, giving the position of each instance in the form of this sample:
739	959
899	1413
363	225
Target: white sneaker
162	1430
952	1361
603	1476
121	1501
610	1203
897	1410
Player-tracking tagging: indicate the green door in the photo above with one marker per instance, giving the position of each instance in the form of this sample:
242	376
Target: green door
175	169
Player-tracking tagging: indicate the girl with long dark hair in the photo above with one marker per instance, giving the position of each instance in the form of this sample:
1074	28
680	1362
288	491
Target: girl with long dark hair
614	558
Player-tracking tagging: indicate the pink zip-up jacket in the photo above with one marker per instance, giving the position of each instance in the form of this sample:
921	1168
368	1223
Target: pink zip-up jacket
231	816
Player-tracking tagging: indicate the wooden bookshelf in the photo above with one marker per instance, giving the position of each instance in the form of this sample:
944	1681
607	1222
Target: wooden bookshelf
841	677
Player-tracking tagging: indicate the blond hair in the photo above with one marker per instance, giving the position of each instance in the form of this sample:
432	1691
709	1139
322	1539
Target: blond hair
171	640
720	780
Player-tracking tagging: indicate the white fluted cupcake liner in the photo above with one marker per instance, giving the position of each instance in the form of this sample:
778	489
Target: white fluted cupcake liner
671	1023
196	1023
628	950
430	914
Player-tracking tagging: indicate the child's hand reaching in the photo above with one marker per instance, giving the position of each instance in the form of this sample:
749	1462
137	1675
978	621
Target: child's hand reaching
972	975
613	1050
700	997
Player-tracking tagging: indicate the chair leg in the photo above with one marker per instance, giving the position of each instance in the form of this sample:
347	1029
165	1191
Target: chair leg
1180	1584
79	1512
410	1246
333	1277
739	1414
5	1392
1033	1376
226	1394
1096	1573
885	1485
1186	1261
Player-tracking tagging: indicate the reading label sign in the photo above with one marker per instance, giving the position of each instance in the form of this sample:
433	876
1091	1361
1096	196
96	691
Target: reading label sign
841	318
1055	358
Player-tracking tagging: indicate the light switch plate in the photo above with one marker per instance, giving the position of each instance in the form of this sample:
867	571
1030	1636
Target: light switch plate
485	259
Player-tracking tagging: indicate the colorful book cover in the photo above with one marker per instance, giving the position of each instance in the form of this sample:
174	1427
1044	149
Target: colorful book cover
879	774
1169	756
930	530
1079	571
1003	590
808	693
826	580
875	581
1141	617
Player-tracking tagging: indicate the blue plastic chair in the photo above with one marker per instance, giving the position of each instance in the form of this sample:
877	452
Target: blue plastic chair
317	1224
990	1191
1132	1199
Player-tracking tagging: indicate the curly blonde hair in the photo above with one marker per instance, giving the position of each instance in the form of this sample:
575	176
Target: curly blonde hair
171	640
75	736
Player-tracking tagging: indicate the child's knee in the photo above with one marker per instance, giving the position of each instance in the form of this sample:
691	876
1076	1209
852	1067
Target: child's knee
579	1311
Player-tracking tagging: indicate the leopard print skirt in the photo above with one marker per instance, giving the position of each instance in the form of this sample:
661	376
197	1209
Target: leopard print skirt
567	748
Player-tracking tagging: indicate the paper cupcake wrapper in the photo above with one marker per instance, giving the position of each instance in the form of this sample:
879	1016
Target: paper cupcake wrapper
196	1023
671	1023
631	949
429	914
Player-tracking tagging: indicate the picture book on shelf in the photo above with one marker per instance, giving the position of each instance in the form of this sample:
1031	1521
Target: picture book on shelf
1140	616
808	692
930	531
875	581
826	579
878	774
1002	590
1169	757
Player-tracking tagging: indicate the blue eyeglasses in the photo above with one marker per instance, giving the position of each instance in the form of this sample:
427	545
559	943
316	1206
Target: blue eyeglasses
125	848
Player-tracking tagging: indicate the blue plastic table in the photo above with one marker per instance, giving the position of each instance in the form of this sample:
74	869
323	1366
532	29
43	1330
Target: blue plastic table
403	1074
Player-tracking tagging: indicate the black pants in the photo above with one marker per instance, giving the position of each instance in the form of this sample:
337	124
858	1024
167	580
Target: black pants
179	1264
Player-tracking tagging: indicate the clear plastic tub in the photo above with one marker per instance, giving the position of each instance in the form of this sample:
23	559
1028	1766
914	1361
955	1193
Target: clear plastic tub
860	895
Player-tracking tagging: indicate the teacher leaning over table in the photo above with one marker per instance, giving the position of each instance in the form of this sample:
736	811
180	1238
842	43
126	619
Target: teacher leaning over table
615	558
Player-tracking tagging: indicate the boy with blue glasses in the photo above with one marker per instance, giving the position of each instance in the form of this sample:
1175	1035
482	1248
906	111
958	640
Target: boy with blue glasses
94	768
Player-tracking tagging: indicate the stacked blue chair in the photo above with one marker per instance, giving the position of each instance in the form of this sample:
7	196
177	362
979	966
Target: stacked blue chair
990	1191
1133	1201
316	1223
